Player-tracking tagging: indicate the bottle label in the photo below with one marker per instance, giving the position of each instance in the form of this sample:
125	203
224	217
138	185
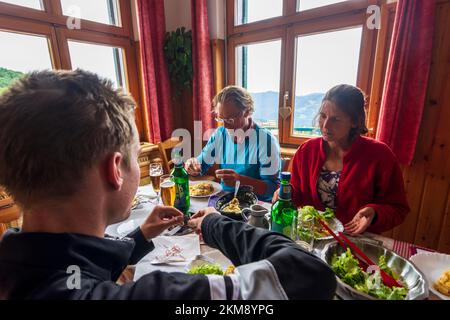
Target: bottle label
285	192
180	197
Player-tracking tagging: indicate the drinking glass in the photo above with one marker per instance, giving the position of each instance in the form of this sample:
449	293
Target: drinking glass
156	171
167	190
289	217
305	232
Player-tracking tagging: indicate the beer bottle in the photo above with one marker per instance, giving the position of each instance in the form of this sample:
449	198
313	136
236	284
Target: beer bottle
181	179
284	213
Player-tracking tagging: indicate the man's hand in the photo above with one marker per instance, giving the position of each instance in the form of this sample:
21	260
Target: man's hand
196	220
159	220
228	176
193	167
361	221
275	196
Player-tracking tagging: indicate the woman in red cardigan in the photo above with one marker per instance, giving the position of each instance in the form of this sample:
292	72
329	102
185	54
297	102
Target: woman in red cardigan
358	177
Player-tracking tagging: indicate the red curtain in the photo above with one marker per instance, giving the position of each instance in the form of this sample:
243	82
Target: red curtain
407	77
203	91
152	27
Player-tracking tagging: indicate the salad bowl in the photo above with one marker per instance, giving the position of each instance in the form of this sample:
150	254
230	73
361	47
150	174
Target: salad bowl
409	274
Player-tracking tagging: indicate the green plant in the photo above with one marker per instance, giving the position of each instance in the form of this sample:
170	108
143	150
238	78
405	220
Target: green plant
7	77
178	53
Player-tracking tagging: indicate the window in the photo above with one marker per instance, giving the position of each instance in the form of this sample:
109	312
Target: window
293	55
262	83
103	11
43	39
15	62
255	10
335	57
33	4
303	5
104	60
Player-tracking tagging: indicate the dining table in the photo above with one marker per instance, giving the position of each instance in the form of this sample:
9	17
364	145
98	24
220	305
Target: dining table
148	200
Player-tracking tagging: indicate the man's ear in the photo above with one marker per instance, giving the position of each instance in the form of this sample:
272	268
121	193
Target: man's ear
113	170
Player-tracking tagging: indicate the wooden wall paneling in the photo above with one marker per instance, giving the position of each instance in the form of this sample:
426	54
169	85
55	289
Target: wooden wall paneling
444	239
431	213
435	101
183	112
426	180
434	145
439	96
414	178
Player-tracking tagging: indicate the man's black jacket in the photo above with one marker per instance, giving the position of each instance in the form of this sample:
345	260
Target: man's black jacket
269	266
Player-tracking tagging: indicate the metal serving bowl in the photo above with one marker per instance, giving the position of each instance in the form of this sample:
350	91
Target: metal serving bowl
246	198
410	275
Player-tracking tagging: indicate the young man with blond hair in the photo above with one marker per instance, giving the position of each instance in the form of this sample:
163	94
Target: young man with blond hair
69	156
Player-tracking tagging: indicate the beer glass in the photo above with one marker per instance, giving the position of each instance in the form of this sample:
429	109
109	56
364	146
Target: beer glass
156	171
167	190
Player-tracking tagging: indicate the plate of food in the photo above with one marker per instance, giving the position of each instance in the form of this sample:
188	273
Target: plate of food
436	267
356	283
203	264
308	212
232	207
203	188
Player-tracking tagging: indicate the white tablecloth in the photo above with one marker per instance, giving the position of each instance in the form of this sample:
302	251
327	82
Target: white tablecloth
139	214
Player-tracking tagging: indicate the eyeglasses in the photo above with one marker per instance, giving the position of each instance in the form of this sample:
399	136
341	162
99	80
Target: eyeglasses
226	121
229	121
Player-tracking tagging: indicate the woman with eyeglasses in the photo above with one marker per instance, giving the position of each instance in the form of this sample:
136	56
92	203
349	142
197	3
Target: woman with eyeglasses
244	150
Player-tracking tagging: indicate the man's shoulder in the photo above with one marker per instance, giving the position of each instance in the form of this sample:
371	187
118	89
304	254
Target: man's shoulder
266	132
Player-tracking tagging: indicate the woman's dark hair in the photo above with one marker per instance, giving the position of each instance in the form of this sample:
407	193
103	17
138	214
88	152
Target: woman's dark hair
351	100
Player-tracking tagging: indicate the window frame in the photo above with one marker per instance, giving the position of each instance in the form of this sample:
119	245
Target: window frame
32	28
50	22
292	24
253	38
52	13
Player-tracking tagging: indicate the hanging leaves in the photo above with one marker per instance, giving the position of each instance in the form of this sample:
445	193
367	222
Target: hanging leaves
178	53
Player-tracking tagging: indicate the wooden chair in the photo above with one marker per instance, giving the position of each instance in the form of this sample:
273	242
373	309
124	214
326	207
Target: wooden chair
165	150
149	153
10	214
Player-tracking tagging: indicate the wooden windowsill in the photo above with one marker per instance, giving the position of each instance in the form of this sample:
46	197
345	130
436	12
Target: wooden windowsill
288	151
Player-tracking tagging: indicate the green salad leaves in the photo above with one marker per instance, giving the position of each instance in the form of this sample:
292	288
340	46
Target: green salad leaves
308	212
206	268
348	270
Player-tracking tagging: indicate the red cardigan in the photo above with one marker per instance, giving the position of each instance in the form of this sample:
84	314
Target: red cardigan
371	177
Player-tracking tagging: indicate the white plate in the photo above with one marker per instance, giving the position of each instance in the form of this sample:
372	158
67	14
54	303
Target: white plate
336	225
217	187
432	265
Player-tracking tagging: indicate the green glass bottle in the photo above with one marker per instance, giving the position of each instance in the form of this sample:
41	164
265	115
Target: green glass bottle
284	213
181	179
